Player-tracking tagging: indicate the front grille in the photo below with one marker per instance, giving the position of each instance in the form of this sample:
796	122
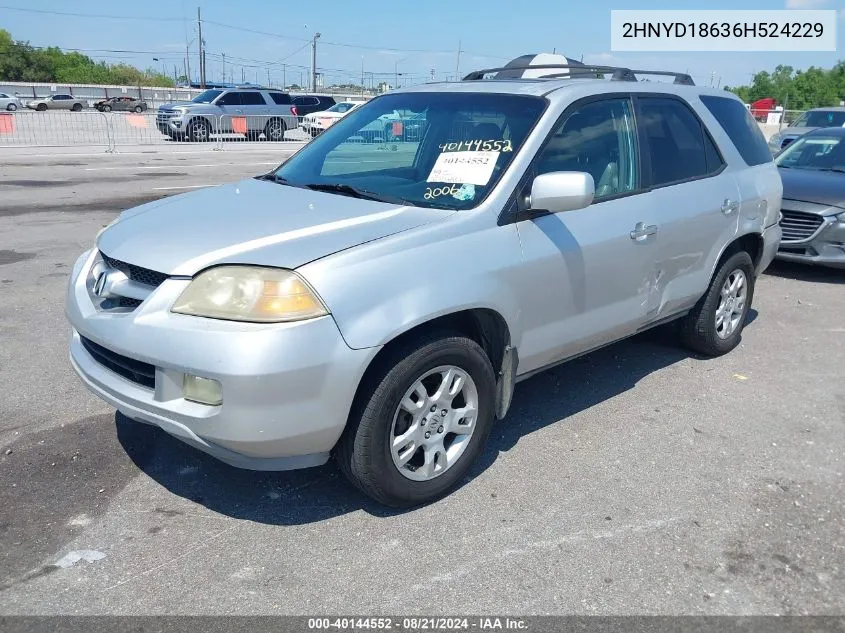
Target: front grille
798	225
131	369
136	273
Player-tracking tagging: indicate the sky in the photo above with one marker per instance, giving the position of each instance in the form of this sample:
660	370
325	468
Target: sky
390	41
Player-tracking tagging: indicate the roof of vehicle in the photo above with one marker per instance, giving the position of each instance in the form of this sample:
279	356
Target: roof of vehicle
827	131
543	87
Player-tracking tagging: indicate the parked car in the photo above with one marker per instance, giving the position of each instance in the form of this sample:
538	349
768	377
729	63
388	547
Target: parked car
313	124
56	102
306	104
813	173
121	104
380	304
761	108
809	120
9	102
256	113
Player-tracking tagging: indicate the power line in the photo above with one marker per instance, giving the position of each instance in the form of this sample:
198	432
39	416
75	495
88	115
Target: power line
93	15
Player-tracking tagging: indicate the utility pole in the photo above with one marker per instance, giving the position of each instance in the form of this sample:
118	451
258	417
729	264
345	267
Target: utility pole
314	62
224	67
268	76
284	76
188	65
458	62
201	49
362	75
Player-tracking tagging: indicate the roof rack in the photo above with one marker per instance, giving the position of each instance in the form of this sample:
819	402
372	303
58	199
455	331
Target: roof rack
618	73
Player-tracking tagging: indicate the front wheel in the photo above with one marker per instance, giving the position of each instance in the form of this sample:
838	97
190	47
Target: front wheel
106	108
41	107
419	424
199	131
138	109
714	326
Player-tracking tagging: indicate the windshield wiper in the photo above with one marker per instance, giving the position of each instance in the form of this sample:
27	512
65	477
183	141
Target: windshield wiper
349	190
274	178
839	170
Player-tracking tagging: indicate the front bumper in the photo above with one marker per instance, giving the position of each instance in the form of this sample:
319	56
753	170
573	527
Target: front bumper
825	248
287	388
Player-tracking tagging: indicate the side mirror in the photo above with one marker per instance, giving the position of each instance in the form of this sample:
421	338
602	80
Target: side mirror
562	191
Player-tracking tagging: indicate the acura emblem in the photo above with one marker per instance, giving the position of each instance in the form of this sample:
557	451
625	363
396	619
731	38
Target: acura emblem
100	284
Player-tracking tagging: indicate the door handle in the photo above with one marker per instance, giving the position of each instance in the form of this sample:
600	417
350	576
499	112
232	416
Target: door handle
729	206
642	231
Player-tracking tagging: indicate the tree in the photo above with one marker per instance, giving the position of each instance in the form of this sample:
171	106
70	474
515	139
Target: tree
801	90
20	61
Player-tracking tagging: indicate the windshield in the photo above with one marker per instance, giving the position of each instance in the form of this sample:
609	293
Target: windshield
207	97
340	107
821	118
826	153
447	151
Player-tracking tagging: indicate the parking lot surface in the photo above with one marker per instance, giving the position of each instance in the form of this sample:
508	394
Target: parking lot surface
638	479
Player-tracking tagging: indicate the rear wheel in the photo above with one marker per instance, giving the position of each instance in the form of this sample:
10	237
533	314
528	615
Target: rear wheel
106	108
420	422
41	107
198	131
275	130
76	107
714	326
12	107
138	109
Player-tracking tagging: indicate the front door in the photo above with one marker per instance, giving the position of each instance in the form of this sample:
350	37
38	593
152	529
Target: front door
588	271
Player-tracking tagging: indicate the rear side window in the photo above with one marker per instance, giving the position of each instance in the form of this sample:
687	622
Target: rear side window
676	141
252	98
306	101
741	127
280	98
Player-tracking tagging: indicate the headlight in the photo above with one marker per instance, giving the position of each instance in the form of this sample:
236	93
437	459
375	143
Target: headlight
247	293
841	217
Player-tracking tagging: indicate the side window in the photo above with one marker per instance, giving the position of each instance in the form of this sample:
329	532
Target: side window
252	98
741	128
597	138
230	99
280	98
675	141
3	96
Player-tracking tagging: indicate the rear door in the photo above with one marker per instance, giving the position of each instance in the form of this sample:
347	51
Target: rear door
694	201
587	272
255	109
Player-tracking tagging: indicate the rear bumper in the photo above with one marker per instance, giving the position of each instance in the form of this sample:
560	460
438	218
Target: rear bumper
771	240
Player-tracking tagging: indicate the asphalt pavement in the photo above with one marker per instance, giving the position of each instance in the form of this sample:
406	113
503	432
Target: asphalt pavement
636	480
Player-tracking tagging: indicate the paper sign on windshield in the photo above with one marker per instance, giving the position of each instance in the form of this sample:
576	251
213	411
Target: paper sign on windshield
474	168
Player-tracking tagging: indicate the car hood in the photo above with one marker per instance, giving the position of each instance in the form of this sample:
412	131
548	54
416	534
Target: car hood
251	222
819	187
170	106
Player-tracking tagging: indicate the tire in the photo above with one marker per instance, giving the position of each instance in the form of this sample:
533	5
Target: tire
701	329
12	107
364	452
77	107
138	109
41	107
198	130
275	130
106	108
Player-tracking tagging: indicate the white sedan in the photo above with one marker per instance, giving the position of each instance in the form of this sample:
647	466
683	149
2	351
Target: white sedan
317	122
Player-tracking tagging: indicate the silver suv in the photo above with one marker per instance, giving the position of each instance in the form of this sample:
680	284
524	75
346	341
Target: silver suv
255	113
379	301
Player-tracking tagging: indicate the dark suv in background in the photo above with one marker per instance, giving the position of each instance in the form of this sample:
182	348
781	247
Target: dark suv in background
306	104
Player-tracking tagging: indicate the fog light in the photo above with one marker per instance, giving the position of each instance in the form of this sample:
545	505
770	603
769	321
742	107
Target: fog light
202	390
